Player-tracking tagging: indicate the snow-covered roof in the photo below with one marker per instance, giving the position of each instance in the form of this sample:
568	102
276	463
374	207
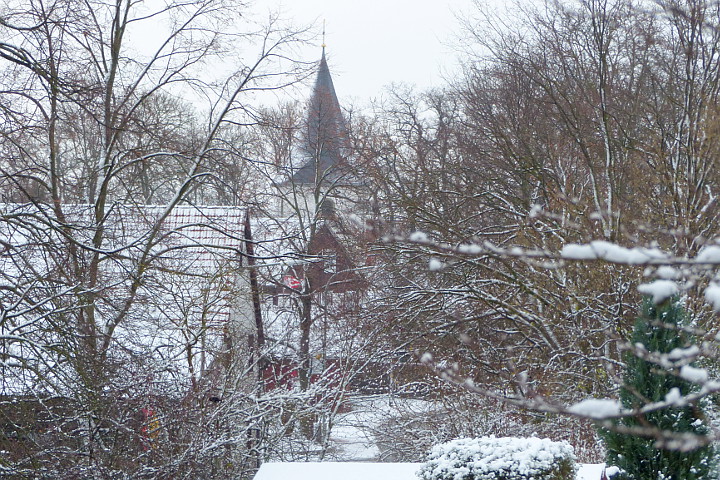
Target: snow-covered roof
189	289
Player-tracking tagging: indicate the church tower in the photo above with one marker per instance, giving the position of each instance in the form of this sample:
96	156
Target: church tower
324	141
320	171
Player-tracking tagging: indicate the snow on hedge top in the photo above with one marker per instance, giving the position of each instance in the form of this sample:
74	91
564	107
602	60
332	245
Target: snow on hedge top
336	470
491	458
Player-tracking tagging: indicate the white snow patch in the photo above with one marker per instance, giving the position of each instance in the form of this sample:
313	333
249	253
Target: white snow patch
609	251
630	256
435	265
668	273
337	470
353	436
673	396
660	290
535	210
709	254
359	222
600	249
597	408
590	471
684	353
711	386
712	296
611	471
694	374
374	471
573	251
469	249
353	442
420	237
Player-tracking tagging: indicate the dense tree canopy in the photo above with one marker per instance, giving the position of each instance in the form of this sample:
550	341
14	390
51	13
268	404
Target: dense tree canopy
575	124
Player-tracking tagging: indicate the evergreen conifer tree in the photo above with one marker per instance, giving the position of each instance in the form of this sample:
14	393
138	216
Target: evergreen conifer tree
657	329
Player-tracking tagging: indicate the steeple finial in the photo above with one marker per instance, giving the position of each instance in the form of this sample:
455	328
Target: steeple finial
323	44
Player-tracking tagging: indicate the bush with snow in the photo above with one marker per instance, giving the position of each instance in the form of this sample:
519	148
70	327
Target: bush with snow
490	458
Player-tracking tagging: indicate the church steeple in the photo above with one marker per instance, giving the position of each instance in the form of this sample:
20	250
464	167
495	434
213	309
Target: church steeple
325	133
324	85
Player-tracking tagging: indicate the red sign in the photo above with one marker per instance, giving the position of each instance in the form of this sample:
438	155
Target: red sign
292	282
150	431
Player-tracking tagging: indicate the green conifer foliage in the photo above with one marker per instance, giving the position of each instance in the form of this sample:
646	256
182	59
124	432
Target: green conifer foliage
645	382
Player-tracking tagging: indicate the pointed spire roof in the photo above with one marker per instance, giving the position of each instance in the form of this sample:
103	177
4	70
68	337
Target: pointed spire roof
325	132
324	83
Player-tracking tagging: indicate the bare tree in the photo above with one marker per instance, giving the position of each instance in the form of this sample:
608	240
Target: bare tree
549	146
90	117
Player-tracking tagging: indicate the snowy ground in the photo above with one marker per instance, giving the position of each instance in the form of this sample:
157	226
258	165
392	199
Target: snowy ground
353	431
353	443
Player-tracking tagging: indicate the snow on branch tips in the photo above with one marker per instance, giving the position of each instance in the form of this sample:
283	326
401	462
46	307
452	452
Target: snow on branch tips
694	374
712	296
659	290
596	408
602	250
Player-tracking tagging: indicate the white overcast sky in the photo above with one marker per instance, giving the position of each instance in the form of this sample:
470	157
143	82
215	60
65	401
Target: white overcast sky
372	43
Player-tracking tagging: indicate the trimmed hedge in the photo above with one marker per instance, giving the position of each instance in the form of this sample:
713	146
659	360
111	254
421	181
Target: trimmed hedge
490	458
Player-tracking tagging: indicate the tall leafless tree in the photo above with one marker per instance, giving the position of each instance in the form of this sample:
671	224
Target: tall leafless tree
92	131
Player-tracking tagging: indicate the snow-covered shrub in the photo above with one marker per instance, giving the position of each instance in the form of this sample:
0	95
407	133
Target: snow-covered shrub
508	458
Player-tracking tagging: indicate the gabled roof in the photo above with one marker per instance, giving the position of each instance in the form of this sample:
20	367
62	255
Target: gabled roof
324	133
188	289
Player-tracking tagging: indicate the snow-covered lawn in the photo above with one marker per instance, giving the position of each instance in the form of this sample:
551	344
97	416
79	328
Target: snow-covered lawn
365	471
